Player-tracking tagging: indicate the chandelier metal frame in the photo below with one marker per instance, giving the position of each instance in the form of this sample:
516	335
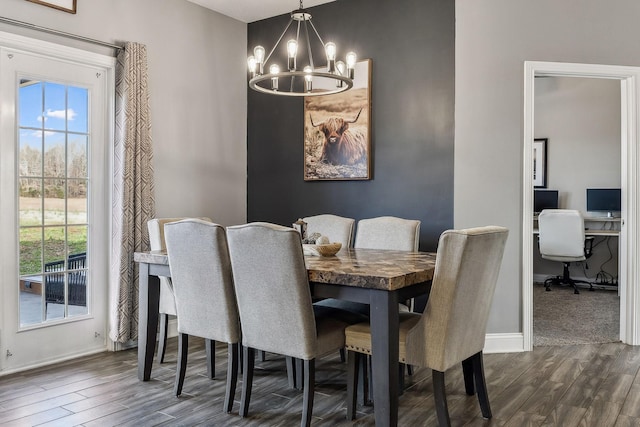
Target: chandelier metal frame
337	74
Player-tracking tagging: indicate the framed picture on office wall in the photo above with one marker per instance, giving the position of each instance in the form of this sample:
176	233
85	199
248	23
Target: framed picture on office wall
540	163
337	131
64	5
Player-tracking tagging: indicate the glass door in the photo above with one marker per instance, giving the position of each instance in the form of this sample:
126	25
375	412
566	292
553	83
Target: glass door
53	189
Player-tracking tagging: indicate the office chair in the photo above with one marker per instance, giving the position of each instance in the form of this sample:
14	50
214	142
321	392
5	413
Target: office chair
562	239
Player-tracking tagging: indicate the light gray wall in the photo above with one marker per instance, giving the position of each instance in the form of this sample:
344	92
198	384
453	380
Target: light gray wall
198	93
493	39
581	119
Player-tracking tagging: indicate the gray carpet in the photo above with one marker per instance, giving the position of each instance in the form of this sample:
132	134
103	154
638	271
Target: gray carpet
561	317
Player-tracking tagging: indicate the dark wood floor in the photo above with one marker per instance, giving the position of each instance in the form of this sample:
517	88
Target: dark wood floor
586	385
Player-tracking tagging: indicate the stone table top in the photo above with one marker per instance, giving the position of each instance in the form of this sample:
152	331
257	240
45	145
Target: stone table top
363	268
372	268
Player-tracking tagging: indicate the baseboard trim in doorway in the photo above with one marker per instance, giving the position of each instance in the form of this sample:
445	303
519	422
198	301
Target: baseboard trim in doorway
504	343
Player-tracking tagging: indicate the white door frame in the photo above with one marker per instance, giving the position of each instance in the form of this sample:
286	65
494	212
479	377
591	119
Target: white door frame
629	273
105	64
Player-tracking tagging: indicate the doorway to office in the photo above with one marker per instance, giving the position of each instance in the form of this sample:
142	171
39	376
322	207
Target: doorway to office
628	271
579	121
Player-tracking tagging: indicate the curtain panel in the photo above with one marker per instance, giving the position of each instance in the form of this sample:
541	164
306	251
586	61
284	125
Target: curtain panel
133	202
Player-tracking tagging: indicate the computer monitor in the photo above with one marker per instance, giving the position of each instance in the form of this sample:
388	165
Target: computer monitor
604	200
544	199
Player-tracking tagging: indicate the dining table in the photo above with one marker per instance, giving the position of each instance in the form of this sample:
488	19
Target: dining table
380	278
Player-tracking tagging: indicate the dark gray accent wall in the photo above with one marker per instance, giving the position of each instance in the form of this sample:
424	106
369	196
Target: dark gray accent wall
411	45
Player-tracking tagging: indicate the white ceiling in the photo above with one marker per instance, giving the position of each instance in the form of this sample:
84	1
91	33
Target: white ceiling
255	10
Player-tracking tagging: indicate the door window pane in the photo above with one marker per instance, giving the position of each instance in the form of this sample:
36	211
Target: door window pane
54	201
30	201
77	110
55	112
53	181
77	156
30	104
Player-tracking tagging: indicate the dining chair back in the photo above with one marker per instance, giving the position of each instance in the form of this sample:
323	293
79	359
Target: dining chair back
452	328
274	302
205	301
337	228
388	232
167	299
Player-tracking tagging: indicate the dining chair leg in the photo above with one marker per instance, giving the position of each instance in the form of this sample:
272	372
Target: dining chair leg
364	380
247	379
401	369
299	374
481	385
232	376
210	347
467	373
262	355
162	341
291	371
343	357
440	397
309	391
183	349
353	359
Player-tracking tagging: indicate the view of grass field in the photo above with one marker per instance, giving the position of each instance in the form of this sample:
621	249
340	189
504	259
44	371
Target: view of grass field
50	237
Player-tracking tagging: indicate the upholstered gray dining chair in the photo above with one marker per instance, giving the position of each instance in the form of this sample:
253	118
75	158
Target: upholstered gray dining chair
167	299
453	326
337	228
274	301
204	294
388	232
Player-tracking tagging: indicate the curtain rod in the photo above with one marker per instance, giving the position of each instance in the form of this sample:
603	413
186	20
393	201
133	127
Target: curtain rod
58	33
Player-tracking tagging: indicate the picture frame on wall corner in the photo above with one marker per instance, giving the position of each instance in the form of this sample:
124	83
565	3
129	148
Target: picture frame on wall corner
63	5
333	119
540	162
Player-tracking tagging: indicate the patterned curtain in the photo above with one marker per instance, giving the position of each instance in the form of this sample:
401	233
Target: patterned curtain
133	196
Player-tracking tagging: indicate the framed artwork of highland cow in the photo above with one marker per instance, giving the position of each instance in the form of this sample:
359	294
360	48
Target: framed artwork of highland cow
337	131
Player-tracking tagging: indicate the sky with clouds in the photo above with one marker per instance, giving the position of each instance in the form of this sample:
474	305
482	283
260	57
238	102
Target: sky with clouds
51	108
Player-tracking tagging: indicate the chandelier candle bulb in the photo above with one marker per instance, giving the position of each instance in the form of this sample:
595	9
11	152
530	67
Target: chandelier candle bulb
308	79
292	50
330	49
341	67
258	53
251	62
351	64
274	70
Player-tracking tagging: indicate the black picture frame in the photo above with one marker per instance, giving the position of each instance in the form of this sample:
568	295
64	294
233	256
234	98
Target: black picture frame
540	162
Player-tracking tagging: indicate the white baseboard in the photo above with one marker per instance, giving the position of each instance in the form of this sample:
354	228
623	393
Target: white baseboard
494	343
51	361
504	343
172	330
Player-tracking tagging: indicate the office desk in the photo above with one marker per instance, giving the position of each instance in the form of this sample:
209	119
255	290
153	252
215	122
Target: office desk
596	226
376	277
595	233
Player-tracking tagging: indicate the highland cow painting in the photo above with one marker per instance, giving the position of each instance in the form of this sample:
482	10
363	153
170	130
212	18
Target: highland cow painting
337	131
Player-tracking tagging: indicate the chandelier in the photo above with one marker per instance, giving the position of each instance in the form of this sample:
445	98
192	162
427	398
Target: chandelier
335	78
